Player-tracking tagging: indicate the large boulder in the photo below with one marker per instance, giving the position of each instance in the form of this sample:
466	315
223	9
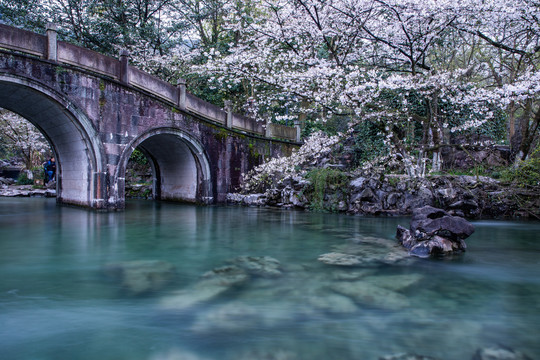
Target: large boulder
432	221
434	232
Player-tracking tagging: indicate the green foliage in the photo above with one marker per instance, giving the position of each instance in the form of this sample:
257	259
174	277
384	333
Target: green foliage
495	128
477	170
331	126
23	179
367	143
39	173
327	181
222	135
393	180
138	157
527	173
23	13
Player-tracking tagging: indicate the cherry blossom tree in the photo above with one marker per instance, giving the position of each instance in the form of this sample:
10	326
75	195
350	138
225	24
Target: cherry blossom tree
508	58
420	72
368	60
20	138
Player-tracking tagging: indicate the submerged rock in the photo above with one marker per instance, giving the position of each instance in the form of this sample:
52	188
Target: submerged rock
380	291
212	284
264	354
142	276
340	259
350	275
394	282
333	303
184	299
369	252
499	354
238	317
176	354
406	357
365	293
262	266
224	276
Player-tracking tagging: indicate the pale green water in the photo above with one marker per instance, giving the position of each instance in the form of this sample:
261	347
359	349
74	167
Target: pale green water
56	303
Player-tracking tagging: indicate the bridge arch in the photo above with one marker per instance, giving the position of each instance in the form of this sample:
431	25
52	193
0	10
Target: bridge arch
180	166
80	171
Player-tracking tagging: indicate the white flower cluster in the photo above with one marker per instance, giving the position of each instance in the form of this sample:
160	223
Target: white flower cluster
21	137
277	169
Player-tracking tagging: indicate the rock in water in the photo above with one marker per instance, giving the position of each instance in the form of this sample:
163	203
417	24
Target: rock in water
499	354
365	293
212	284
432	221
406	357
340	259
262	266
333	303
365	252
394	282
434	232
142	276
225	276
237	317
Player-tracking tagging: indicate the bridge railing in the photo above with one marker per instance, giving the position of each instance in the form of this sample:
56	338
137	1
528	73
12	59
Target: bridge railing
87	59
47	47
205	109
22	40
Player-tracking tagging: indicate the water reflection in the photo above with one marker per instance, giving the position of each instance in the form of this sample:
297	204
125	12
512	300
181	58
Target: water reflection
78	284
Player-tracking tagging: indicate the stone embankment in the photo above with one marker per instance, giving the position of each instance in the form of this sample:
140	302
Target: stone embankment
466	196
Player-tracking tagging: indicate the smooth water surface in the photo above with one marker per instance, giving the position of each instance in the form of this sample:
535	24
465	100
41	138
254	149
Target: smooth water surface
58	302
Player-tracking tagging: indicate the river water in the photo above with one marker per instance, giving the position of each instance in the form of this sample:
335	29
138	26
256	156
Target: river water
58	301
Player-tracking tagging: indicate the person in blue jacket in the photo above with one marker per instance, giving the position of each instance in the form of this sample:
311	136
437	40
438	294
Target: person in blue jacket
50	169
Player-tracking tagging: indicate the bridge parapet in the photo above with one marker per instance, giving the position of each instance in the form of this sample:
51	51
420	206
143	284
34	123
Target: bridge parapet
43	46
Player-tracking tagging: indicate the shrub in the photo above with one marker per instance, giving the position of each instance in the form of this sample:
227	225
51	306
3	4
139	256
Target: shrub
23	179
323	180
526	173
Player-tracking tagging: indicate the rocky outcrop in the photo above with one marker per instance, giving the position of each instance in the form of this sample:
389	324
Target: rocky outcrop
434	232
6	181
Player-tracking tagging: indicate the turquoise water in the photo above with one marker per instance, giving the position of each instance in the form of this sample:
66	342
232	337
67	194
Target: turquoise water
57	302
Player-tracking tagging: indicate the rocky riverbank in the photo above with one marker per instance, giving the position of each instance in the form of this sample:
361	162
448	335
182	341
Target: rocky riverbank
466	196
8	188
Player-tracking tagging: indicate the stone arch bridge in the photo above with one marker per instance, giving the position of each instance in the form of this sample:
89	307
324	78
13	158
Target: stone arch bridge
95	110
